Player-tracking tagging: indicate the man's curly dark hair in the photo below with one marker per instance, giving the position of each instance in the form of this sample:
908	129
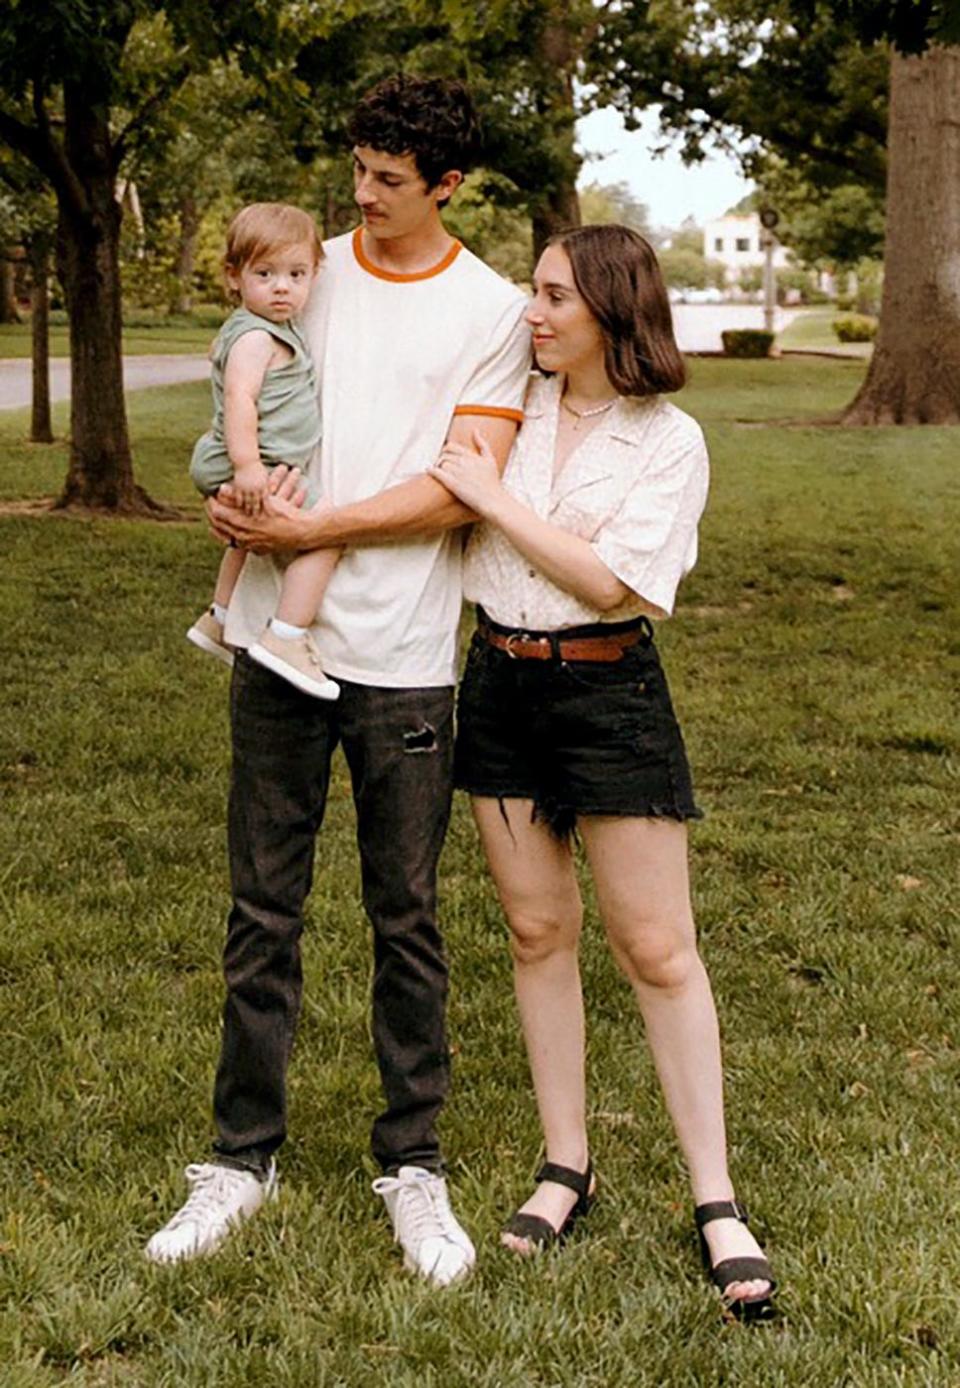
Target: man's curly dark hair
431	118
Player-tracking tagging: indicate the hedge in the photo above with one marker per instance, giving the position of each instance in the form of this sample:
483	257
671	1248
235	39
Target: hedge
746	342
855	327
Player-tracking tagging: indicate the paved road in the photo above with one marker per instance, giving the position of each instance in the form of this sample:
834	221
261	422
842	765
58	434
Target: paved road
698	328
138	372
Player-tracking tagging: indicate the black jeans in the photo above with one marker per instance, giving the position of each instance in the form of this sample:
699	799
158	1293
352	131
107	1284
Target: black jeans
399	748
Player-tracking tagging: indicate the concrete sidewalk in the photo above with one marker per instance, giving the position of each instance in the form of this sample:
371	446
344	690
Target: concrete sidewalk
138	374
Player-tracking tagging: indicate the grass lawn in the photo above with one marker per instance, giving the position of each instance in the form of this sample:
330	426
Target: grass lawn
811	330
144	334
814	659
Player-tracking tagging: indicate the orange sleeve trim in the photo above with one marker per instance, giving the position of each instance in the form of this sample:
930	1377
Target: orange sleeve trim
365	263
495	411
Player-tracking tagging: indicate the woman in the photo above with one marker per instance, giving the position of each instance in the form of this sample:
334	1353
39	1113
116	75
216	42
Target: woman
565	719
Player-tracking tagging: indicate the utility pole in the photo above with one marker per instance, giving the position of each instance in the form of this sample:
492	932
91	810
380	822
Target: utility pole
768	220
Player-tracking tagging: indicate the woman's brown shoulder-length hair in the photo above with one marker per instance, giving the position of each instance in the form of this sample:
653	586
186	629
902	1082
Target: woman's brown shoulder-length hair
616	271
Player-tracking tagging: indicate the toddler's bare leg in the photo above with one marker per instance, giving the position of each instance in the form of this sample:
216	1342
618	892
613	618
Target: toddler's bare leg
304	584
230	566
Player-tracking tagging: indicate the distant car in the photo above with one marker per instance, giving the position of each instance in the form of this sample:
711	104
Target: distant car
711	295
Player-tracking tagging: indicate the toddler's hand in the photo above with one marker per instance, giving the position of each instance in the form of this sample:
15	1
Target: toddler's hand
251	486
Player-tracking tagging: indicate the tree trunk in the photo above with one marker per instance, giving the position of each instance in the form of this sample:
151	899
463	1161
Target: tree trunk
339	212
9	313
557	209
556	206
100	472
189	221
38	251
914	376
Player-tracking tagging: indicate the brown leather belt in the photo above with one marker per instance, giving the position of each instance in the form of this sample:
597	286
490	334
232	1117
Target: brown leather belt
522	646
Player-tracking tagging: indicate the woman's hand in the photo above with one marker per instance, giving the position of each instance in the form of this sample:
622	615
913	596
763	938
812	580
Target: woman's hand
471	474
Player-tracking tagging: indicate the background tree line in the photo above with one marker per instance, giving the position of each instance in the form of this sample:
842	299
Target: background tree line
126	121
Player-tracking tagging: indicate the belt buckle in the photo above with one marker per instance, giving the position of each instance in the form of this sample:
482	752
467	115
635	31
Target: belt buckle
518	637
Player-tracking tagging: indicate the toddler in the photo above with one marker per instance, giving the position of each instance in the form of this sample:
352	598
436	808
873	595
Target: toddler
266	412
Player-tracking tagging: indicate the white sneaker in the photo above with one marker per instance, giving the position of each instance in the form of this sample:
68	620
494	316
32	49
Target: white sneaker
434	1244
221	1197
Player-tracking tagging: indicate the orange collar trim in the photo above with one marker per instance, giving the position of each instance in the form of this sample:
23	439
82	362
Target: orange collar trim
367	264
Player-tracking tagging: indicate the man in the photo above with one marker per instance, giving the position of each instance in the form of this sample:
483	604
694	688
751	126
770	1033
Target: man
415	341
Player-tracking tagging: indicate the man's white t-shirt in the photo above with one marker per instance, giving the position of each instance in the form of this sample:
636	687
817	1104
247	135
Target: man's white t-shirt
397	357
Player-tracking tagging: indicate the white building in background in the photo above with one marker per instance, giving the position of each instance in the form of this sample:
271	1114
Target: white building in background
735	241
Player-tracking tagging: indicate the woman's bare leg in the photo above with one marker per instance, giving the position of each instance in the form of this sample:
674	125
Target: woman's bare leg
535	880
639	867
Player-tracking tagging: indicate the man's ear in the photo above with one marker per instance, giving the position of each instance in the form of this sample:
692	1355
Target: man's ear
448	184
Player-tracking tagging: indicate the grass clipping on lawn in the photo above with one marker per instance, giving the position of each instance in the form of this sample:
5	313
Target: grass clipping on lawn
814	662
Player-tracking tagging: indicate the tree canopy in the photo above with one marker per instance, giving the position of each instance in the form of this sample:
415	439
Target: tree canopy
92	91
82	89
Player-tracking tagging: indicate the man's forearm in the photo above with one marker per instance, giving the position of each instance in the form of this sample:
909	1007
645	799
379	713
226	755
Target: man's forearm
420	506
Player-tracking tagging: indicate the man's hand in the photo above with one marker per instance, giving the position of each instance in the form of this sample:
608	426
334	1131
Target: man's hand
281	523
288	483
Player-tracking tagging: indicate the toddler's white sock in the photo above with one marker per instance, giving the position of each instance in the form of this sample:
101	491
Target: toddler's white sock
285	630
220	612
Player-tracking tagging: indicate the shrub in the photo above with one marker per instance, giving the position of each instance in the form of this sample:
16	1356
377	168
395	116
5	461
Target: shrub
746	342
683	269
797	285
855	327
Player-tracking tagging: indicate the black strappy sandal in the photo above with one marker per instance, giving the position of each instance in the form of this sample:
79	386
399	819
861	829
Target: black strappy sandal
730	1270
539	1232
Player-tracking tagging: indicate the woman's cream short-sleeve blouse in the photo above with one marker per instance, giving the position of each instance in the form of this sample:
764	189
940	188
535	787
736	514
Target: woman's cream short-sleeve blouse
635	488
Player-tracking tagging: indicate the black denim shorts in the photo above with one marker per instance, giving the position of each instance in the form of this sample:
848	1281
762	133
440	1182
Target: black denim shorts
575	737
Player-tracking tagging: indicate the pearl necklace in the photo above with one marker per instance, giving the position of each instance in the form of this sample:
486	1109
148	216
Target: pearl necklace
587	414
